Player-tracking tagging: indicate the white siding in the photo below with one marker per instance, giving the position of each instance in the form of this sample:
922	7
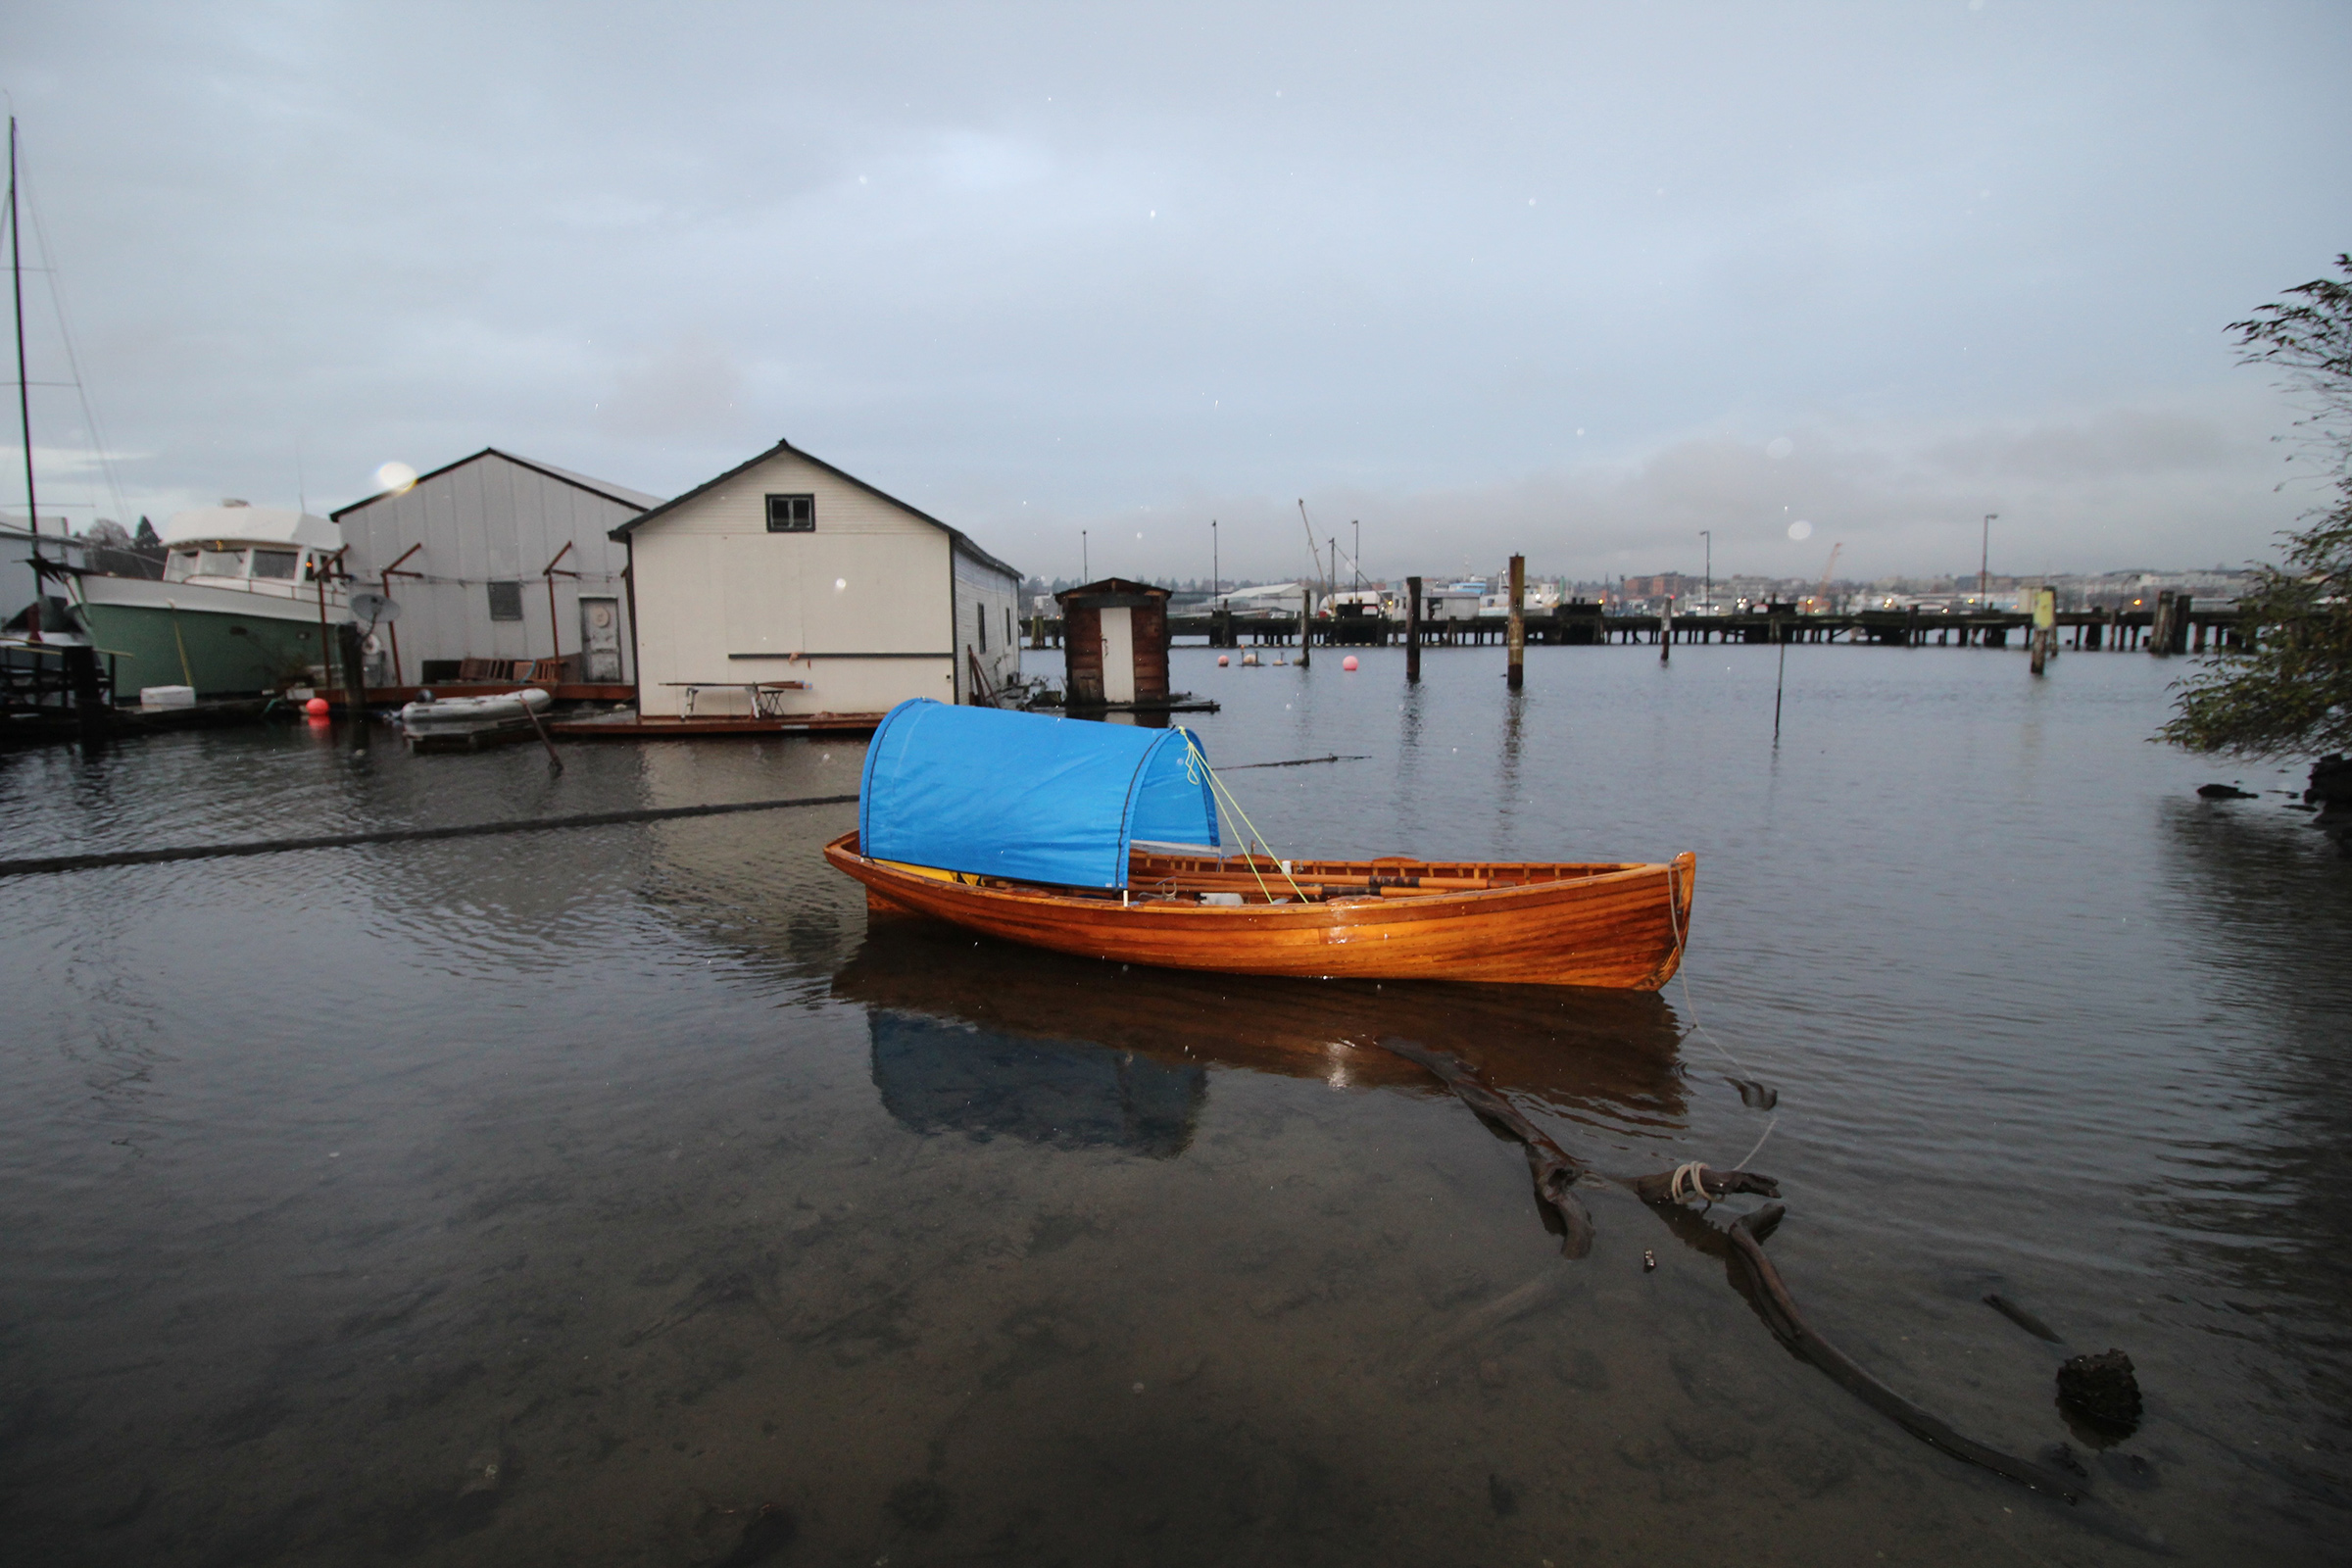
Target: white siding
984	591
490	519
720	598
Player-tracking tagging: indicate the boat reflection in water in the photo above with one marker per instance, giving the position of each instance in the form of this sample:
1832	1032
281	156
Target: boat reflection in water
940	1077
989	1038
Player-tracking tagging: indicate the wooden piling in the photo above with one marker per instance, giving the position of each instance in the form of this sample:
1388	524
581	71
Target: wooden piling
354	682
1412	630
1666	632
1780	682
1307	619
1517	642
90	708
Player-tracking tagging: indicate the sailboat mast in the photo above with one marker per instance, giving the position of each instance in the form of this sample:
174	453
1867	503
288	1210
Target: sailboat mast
16	278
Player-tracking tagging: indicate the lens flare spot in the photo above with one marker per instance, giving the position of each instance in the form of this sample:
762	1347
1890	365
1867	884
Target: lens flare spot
397	478
1800	530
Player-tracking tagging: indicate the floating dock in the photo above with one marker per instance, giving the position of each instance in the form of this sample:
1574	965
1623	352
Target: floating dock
634	726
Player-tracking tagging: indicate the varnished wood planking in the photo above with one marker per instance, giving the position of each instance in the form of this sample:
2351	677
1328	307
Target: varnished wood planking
1610	929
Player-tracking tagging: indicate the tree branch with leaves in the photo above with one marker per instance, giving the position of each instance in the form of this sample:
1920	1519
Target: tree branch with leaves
2287	690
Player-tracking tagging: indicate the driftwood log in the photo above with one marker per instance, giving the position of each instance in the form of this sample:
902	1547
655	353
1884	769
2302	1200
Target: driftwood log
1779	1312
1555	1171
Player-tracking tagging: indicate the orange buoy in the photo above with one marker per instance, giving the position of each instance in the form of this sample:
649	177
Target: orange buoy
316	708
1348	663
1222	661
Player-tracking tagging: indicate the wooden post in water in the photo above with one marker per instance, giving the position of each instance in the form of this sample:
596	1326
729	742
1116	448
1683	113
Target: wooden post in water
354	682
1779	680
1307	606
2045	627
1412	629
1518	630
89	704
1666	632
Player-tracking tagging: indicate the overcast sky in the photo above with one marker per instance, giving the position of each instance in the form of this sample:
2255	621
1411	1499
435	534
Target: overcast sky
1574	279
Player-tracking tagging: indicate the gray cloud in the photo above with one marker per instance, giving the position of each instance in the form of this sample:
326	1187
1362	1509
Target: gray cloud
1053	268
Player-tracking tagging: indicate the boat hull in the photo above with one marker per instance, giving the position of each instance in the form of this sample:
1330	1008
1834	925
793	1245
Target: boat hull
1620	927
219	641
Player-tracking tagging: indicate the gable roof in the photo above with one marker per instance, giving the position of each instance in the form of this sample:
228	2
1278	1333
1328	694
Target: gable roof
600	487
1107	586
963	541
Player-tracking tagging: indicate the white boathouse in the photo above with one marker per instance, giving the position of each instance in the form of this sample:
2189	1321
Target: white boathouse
788	587
498	560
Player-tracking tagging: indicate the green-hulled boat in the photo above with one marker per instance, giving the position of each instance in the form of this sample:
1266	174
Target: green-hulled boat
248	602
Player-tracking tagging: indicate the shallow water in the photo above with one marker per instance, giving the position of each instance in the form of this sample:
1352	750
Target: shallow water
567	1197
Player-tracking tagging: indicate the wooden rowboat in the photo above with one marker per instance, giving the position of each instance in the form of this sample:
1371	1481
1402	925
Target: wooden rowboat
1610	924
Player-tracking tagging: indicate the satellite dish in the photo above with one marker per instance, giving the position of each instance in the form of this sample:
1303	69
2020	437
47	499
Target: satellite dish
373	608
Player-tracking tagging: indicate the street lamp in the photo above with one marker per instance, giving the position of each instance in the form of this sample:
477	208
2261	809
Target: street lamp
1085	573
1216	576
1984	560
1708	534
1359	553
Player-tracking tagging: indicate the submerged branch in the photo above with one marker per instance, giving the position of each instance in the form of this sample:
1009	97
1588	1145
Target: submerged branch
1555	1171
1779	1311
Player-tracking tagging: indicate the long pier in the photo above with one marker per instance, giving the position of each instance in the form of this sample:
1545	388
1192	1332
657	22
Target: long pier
2169	628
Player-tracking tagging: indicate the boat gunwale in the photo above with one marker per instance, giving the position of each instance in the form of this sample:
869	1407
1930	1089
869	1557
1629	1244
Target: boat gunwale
1404	907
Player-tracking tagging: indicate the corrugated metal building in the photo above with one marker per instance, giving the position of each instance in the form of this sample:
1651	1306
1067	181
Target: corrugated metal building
474	550
788	574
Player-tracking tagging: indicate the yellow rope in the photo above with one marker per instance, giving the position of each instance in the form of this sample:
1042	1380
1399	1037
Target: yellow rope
1193	756
1218	785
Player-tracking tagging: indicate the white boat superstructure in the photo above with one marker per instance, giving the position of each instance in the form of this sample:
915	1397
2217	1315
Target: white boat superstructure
271	551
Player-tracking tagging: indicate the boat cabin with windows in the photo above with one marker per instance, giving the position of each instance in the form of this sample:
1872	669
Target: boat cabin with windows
264	550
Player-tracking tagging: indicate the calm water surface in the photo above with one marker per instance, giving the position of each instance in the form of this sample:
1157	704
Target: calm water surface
567	1197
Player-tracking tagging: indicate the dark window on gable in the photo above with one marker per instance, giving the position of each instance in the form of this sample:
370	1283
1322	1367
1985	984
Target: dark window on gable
792	514
506	601
980	615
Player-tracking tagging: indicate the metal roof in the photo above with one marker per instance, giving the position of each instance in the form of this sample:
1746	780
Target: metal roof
603	487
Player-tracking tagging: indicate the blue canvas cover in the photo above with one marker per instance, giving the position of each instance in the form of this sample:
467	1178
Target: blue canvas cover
994	793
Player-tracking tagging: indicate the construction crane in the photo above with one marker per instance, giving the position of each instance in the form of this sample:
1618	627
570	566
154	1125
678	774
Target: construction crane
1820	599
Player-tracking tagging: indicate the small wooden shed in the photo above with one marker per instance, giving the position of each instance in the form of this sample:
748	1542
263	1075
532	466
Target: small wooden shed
1114	644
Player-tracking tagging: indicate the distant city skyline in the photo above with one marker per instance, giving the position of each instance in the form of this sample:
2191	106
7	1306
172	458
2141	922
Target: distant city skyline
1573	281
